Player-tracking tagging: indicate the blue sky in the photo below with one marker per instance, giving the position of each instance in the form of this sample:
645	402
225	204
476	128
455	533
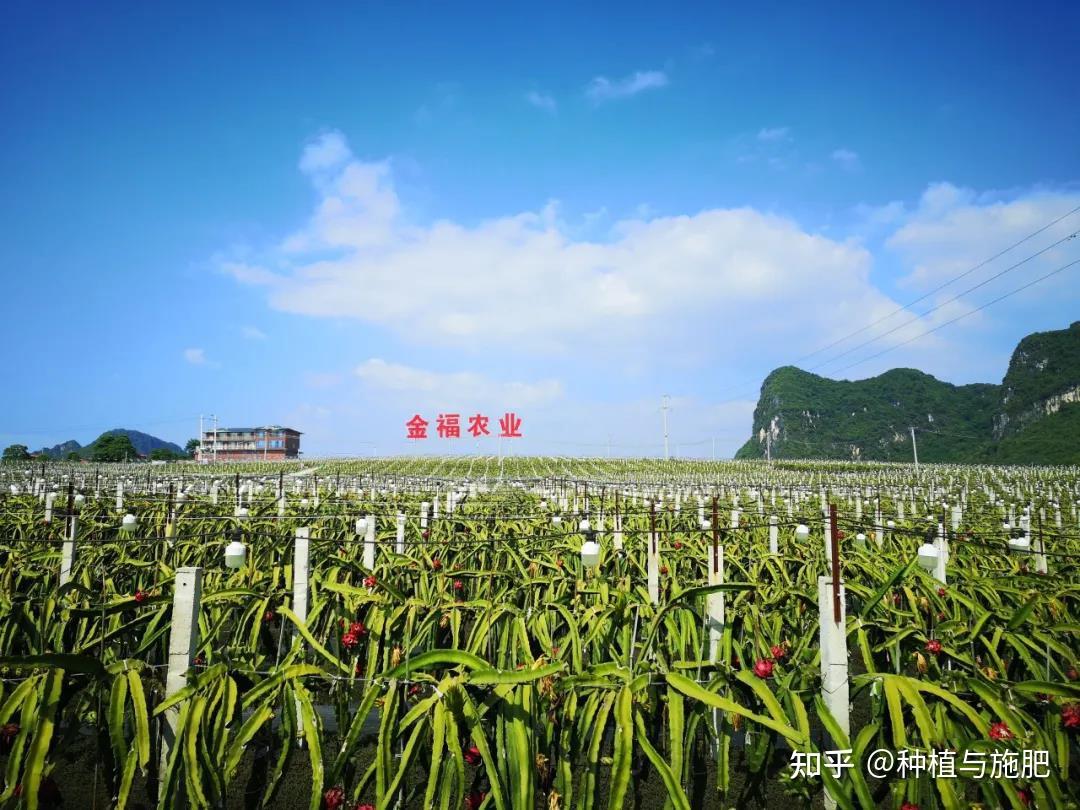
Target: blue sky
336	218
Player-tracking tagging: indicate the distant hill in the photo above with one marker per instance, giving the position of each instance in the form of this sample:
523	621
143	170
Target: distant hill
142	442
1033	417
61	450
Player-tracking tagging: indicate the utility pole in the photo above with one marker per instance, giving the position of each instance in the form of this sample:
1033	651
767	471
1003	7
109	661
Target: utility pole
665	407
914	450
214	417
198	451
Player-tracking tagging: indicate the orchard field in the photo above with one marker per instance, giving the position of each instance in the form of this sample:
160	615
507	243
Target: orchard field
539	633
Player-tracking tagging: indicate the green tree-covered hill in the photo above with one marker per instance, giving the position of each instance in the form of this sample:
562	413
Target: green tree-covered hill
1033	417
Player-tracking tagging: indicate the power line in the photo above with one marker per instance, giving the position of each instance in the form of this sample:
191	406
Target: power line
961	317
935	308
940	287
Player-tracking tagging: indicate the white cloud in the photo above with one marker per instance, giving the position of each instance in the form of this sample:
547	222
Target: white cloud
196	357
357	209
602	88
954	229
454	389
880	215
253	333
322	379
846	159
542	101
324	153
248	273
774	134
592	218
731	277
719	296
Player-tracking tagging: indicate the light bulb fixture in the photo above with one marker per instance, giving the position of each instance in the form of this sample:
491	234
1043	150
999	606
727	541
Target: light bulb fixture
235	554
928	556
590	552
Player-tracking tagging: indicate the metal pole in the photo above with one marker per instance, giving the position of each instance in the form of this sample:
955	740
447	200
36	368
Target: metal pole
914	450
664	407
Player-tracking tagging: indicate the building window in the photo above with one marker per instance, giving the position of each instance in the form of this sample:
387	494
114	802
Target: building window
275	444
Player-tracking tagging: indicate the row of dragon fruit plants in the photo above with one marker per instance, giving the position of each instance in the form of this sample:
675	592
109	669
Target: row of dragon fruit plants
539	633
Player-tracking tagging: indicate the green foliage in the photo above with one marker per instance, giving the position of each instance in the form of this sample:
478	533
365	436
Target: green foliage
1043	364
112	447
1025	420
822	418
507	669
1050	440
165	454
16	452
192	447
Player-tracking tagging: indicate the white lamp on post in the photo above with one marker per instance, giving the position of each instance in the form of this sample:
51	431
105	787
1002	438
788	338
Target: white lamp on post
235	554
928	557
590	549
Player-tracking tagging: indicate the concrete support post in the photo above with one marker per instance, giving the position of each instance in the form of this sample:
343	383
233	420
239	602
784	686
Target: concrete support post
67	558
301	557
183	640
942	557
715	603
1040	552
774	535
399	544
653	561
369	544
834	661
828	538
